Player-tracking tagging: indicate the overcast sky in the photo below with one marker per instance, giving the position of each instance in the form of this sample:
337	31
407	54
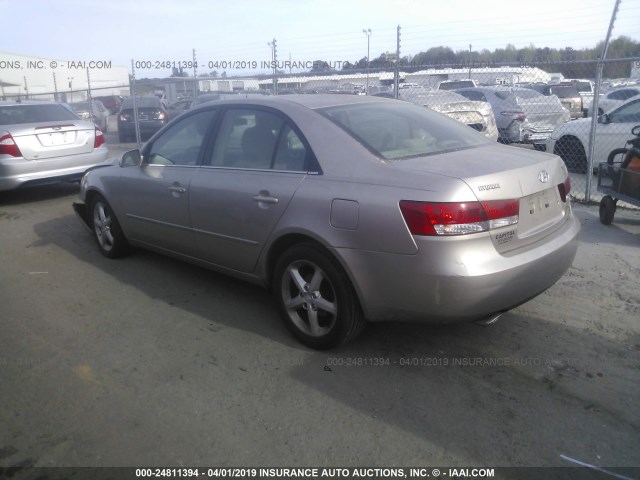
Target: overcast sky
239	30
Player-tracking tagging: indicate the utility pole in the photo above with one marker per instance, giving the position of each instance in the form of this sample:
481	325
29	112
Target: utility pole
70	89
469	61
55	87
396	76
367	32
274	64
195	77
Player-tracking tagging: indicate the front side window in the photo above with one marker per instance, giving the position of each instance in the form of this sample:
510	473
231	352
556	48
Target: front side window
181	144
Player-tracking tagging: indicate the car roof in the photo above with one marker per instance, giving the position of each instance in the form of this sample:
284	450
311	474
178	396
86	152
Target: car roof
310	101
29	102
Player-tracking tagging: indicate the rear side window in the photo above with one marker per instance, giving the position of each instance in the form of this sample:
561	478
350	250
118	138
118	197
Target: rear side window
396	131
627	113
623	94
256	139
20	114
565	92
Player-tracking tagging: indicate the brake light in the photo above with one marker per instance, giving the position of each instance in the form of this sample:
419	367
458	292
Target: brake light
8	146
516	115
564	189
429	218
99	140
162	115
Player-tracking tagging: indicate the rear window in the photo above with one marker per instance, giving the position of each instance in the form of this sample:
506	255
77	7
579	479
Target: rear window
396	131
564	92
146	102
583	87
20	114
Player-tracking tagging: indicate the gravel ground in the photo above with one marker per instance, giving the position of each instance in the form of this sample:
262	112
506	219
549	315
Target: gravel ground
146	361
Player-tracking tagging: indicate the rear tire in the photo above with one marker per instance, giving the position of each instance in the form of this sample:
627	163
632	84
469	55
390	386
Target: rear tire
316	299
106	229
607	210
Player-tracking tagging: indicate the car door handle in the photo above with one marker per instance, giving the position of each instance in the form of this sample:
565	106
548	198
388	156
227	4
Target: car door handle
263	197
177	189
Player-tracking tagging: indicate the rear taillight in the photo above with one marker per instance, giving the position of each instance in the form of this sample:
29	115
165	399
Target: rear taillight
8	146
162	115
99	140
516	115
429	218
564	189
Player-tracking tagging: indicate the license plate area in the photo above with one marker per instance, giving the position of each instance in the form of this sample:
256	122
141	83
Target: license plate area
539	211
55	139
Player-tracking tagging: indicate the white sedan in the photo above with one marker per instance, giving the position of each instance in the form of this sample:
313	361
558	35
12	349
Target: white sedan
611	99
571	140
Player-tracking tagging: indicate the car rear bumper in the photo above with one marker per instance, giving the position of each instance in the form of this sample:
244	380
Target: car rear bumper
145	127
458	279
17	172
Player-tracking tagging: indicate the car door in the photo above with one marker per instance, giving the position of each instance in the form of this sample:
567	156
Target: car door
155	196
243	188
614	129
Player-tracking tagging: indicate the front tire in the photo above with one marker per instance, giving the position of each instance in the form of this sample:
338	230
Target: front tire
315	297
572	152
106	229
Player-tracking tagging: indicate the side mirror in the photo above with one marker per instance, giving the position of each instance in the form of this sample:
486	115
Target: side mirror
604	119
132	158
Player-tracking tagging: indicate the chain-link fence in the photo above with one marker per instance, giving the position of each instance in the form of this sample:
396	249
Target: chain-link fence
547	106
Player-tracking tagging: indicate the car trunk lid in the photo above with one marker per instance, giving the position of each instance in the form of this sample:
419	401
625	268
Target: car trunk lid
49	140
507	173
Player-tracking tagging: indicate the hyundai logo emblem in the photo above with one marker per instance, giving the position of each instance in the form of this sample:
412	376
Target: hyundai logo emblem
543	176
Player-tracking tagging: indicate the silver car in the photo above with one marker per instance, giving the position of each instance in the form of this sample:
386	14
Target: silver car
94	111
44	142
349	208
475	114
522	115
